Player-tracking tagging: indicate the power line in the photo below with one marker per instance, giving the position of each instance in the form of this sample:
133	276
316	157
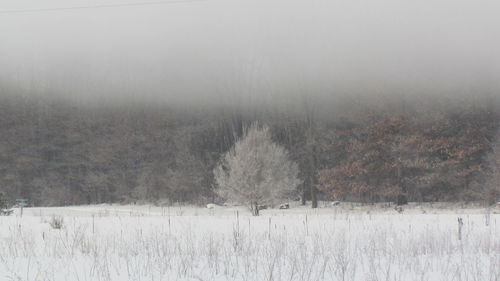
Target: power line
99	6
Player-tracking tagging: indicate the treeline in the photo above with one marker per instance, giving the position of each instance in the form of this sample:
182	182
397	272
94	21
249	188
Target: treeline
59	153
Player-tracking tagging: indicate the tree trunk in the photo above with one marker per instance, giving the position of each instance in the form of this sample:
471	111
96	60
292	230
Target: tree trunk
311	178
314	200
304	192
255	209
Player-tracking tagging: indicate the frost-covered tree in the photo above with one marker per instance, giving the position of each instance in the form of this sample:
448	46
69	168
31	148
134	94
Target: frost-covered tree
256	170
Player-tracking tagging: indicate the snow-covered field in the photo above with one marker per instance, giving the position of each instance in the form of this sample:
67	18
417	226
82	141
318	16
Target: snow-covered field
186	243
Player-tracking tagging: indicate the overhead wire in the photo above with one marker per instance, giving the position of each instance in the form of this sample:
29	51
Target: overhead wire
55	9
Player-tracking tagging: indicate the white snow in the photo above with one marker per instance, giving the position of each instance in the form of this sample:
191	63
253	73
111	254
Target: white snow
187	243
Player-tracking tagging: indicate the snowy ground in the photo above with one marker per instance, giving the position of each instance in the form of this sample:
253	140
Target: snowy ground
349	242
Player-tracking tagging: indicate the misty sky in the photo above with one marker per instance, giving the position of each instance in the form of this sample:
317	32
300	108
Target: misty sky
250	49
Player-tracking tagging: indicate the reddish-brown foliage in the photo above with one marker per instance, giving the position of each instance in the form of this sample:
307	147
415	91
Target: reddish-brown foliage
422	157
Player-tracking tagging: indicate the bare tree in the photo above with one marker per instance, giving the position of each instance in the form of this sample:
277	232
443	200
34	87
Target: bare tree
256	170
491	190
3	201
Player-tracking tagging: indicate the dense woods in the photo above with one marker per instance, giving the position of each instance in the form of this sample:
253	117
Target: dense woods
423	158
60	152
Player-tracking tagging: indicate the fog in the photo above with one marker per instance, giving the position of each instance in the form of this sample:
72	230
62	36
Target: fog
249	51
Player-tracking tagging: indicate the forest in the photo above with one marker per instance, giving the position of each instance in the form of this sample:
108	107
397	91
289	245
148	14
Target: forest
61	152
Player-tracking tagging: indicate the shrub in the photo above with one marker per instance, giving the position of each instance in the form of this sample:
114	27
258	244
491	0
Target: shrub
56	222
